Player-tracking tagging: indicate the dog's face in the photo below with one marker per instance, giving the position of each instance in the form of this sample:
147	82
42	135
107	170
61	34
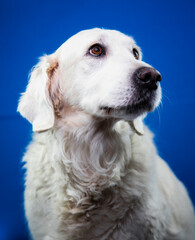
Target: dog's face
97	71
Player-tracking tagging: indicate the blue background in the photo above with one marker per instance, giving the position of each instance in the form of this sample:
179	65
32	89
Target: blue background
165	32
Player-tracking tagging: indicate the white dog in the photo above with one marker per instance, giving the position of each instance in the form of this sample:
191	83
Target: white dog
93	172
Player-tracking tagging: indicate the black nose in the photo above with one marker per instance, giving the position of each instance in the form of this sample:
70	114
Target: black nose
147	77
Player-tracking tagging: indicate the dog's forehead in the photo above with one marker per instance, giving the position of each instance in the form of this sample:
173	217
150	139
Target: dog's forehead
86	38
98	34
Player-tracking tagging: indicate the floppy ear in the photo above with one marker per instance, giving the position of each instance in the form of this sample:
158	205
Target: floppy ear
138	125
35	104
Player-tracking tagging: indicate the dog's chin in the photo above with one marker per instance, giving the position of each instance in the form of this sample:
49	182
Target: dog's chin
136	107
130	111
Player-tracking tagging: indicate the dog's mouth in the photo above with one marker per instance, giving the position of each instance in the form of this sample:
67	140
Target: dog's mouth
131	110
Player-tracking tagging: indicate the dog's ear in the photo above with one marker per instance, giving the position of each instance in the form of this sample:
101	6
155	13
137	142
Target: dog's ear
35	104
138	125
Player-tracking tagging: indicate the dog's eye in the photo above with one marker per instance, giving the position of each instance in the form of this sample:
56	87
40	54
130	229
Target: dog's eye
136	53
96	50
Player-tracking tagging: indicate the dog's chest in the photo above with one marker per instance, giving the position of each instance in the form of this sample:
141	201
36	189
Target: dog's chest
109	218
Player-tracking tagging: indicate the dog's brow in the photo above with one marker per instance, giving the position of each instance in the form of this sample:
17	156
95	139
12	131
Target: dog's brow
100	40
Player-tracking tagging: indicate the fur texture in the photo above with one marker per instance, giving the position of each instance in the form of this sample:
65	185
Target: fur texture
91	174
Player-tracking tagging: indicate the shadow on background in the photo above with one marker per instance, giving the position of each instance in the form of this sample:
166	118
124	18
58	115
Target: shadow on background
165	32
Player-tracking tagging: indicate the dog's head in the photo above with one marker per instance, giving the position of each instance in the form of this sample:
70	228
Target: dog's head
97	72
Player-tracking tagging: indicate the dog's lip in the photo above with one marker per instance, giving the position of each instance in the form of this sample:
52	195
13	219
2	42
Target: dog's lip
129	109
113	110
107	109
141	105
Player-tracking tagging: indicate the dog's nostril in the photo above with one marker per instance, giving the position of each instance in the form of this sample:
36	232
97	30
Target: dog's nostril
144	75
147	77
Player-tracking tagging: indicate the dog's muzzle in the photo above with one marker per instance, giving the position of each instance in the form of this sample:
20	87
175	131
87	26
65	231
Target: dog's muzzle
145	84
147	78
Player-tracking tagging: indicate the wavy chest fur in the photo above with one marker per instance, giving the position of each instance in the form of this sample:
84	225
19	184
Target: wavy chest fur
93	188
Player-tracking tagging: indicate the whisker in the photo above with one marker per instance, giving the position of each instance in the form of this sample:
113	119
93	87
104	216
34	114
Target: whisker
164	95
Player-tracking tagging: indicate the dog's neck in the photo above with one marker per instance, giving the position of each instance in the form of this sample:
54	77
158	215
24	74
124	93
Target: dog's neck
93	153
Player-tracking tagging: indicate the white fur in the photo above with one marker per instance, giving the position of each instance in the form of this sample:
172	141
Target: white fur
90	174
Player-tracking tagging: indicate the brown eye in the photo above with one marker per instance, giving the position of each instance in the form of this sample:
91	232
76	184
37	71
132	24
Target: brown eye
136	53
96	50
